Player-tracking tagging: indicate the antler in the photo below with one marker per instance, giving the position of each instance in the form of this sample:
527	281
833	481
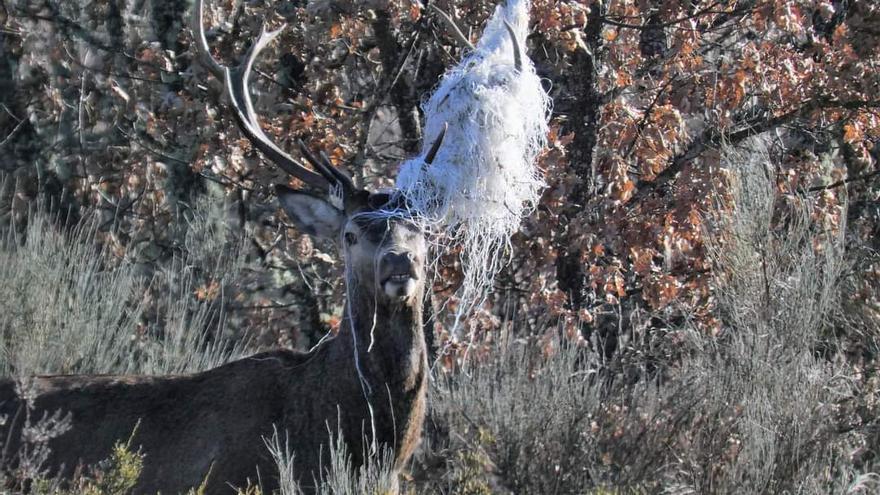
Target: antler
465	43
236	82
451	24
429	158
517	56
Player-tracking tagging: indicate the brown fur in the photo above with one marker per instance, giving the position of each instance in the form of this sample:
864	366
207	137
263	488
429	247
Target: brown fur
215	421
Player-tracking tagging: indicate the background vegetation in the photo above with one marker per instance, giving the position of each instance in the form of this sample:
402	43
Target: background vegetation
694	306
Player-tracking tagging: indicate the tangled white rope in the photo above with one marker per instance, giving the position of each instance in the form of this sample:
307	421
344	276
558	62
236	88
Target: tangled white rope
483	180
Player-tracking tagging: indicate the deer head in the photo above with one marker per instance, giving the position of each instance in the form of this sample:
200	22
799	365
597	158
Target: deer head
384	253
383	247
372	395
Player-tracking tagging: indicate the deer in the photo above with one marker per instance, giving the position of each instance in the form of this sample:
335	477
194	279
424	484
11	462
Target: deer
368	384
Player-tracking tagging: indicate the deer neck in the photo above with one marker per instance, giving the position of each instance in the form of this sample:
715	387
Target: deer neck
381	348
388	340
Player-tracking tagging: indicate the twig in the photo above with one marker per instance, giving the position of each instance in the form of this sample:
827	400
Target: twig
402	65
450	22
12	133
107	72
701	12
264	306
712	137
120	209
382	93
148	148
80	110
646	116
225	181
863	177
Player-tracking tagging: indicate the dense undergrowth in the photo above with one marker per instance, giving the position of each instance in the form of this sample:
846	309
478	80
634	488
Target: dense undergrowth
782	399
68	306
772	403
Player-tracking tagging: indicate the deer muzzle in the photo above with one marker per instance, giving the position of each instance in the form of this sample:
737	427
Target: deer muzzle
398	274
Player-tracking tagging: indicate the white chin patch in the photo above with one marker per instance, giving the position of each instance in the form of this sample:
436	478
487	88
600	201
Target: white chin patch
399	289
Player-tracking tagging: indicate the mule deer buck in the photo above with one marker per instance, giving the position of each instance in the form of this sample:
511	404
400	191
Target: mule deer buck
368	383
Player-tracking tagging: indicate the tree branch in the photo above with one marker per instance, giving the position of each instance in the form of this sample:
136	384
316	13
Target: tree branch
857	178
714	138
393	67
701	12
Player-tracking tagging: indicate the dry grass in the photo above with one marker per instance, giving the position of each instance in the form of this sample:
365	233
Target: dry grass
769	404
761	407
340	477
66	306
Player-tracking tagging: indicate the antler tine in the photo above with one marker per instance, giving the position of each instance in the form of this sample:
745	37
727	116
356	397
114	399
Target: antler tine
450	23
517	56
340	174
236	83
326	168
432	153
202	49
258	138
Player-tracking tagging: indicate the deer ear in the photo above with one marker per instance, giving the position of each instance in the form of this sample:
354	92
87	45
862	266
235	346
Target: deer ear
311	214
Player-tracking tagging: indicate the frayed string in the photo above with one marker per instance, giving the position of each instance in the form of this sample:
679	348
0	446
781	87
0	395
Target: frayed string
483	179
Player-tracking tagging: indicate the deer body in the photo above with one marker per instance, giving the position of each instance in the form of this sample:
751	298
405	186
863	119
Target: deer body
210	425
368	383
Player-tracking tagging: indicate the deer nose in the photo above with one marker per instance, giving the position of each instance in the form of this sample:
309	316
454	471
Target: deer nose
398	263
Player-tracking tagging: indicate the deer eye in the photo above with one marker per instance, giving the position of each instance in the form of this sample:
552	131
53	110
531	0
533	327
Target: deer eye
350	239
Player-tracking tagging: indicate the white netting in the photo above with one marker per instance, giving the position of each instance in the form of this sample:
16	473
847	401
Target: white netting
483	180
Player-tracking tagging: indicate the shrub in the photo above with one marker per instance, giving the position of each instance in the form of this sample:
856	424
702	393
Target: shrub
518	423
756	408
374	477
116	475
66	306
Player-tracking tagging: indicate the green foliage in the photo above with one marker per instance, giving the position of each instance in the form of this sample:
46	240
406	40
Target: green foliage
117	475
470	473
121	475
